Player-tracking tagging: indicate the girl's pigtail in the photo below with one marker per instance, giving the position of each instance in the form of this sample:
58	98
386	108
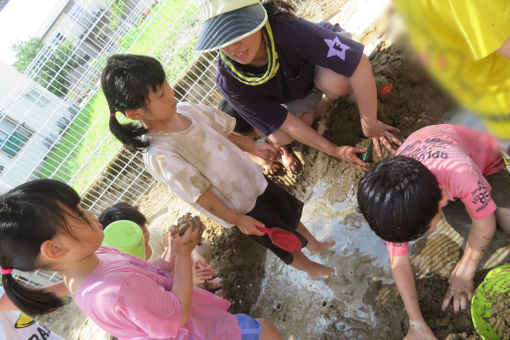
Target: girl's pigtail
126	81
129	134
28	300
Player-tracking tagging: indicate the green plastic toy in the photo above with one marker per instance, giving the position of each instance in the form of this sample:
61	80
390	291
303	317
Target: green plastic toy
126	236
367	155
495	283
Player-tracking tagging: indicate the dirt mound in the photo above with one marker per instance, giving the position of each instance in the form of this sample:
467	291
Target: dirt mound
240	262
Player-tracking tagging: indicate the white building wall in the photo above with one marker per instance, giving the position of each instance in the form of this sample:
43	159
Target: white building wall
35	109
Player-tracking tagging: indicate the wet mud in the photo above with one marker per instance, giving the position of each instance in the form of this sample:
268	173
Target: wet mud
500	316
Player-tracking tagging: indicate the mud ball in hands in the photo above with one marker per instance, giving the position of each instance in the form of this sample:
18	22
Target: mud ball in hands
187	221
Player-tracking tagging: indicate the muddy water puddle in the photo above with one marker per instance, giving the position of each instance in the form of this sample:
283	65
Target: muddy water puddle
360	300
339	306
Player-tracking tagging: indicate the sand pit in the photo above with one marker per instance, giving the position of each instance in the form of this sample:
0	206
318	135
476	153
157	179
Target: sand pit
360	300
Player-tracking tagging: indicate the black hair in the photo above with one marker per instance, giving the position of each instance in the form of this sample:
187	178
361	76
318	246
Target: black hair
278	7
126	82
398	198
31	214
121	211
242	126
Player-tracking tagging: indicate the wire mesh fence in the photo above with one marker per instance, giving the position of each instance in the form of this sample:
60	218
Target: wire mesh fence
54	118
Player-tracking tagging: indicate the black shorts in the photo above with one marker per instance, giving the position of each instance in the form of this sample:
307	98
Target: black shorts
277	208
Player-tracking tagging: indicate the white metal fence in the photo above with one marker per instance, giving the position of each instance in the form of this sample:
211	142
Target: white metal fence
54	118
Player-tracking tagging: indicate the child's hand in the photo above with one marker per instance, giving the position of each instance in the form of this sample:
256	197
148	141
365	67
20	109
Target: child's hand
290	162
202	272
184	244
265	151
380	133
460	290
419	331
269	168
248	225
348	153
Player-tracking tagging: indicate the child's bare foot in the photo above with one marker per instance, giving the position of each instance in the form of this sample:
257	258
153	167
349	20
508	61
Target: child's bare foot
321	247
290	162
320	272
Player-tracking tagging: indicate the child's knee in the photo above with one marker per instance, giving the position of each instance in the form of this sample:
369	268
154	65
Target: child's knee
333	85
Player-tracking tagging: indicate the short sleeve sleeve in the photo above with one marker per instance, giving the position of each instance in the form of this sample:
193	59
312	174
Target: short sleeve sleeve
218	120
397	248
484	24
154	310
180	177
474	192
320	45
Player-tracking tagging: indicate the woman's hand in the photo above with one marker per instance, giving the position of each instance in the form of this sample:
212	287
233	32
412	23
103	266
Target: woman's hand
380	133
349	154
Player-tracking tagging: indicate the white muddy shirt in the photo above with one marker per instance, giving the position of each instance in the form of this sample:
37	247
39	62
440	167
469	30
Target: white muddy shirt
15	325
202	157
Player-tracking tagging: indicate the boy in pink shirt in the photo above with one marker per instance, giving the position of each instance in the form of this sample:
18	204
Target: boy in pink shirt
436	164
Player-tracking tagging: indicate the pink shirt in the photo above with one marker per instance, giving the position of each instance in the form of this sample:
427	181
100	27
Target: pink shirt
459	157
131	299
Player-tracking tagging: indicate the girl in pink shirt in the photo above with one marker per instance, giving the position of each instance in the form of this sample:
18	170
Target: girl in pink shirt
43	226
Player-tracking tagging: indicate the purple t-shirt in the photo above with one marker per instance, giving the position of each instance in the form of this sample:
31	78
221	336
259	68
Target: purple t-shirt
301	45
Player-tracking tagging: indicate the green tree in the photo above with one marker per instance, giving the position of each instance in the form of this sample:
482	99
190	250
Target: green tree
116	13
56	65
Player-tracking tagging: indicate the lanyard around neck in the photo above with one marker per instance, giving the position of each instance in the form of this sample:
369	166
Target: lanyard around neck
273	64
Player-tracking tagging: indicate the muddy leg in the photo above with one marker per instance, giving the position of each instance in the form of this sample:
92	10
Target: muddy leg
315	271
314	246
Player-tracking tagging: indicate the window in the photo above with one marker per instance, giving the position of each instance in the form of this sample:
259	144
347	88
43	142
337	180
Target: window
57	38
37	98
78	14
13	136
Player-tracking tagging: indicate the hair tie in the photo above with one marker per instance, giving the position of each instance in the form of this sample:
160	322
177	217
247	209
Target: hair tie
5	271
112	114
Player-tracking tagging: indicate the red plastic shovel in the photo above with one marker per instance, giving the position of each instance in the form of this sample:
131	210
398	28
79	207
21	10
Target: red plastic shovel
282	238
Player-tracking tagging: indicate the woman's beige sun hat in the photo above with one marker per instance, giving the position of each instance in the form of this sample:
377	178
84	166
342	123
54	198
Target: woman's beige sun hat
228	21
